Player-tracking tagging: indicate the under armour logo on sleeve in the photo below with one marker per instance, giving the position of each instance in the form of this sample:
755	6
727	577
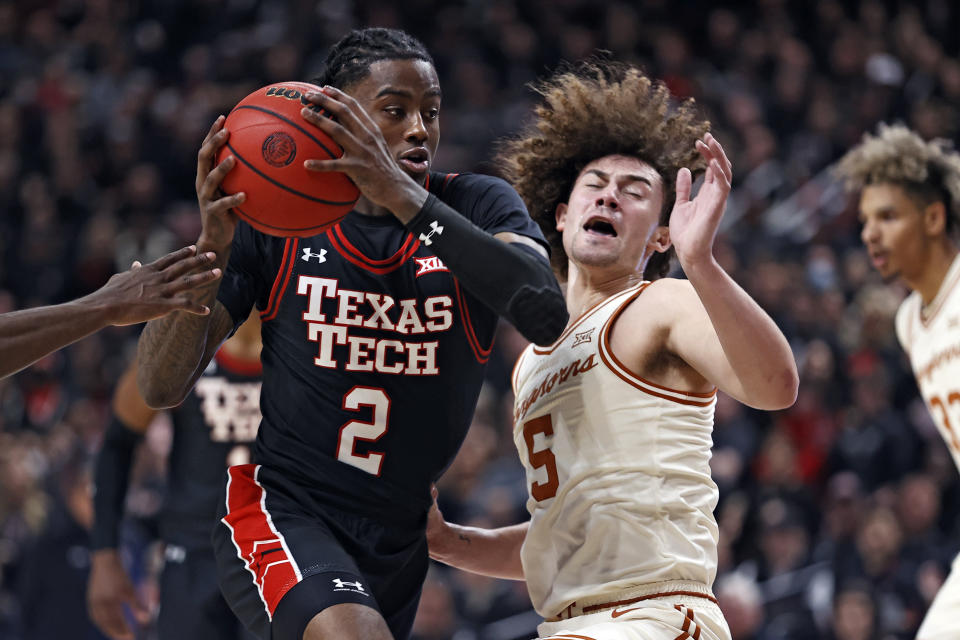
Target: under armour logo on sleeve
435	228
307	254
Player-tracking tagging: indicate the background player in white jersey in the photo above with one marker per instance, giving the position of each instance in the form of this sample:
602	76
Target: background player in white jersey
613	421
910	210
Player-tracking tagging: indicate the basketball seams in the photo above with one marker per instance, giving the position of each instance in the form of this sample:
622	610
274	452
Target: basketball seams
280	116
274	182
283	199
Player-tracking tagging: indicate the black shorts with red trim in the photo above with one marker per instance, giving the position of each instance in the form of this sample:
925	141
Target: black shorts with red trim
284	555
191	605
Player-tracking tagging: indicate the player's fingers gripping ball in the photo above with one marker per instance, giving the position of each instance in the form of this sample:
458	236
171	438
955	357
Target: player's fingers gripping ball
270	140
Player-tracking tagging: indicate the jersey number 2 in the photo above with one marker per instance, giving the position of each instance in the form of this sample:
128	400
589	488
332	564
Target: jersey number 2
372	431
543	458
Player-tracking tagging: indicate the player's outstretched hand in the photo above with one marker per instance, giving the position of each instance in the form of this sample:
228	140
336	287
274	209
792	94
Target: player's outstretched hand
109	590
149	291
219	223
694	223
366	158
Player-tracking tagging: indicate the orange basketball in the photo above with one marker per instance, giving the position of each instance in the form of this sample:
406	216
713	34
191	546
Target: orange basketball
270	140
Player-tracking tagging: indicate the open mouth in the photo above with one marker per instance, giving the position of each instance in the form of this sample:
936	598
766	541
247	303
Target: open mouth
600	226
417	160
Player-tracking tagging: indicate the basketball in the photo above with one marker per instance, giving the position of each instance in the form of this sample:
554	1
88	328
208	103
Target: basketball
270	141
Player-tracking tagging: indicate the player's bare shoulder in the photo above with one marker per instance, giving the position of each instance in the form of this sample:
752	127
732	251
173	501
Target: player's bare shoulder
662	301
640	337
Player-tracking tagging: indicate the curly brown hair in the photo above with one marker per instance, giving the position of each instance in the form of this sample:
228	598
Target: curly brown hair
927	171
592	110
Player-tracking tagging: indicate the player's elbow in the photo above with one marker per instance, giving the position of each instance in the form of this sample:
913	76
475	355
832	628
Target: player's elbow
156	395
539	314
781	393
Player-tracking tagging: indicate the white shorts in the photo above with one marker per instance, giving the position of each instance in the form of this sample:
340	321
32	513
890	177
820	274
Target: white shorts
943	616
679	617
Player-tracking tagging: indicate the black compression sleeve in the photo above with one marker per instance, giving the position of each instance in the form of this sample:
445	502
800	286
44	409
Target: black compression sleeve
111	476
512	279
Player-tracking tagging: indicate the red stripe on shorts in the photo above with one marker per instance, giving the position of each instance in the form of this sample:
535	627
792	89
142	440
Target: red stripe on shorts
259	545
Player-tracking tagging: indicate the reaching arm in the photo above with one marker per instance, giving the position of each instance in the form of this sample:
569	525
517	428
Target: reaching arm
510	276
109	587
137	295
488	552
717	327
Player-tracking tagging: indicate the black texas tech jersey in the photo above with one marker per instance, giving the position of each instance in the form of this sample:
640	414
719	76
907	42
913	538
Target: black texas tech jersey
373	352
213	428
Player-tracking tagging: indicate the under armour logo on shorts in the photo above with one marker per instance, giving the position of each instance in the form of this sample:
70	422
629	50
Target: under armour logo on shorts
345	585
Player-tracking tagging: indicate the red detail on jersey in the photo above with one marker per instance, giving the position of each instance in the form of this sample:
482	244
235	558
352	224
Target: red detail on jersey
447	179
344	247
281	281
481	354
238	366
258	545
429	265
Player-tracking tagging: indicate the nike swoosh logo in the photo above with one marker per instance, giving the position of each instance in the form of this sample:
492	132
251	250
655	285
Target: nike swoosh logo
617	613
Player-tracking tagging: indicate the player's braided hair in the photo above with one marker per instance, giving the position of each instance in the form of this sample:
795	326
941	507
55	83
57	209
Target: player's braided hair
349	59
927	171
591	110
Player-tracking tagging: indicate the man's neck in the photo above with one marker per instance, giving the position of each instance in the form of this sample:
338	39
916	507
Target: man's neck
587	288
930	279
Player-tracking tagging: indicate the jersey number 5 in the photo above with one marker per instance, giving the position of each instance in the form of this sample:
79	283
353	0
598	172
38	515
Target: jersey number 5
543	458
372	431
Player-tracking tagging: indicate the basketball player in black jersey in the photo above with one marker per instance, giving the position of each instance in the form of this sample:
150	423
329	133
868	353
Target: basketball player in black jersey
375	338
212	429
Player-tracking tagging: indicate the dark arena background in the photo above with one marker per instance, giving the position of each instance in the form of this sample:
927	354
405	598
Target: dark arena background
839	517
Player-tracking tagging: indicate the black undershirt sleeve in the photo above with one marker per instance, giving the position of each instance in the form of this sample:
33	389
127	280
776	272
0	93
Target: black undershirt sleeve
511	278
111	476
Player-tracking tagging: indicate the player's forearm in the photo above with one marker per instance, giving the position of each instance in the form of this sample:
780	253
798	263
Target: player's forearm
28	335
111	477
511	280
171	348
754	346
488	552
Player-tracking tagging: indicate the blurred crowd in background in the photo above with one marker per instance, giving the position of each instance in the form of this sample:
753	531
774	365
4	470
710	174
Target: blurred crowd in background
838	517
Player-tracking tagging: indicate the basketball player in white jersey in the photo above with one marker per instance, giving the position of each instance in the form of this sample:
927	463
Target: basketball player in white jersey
910	210
613	421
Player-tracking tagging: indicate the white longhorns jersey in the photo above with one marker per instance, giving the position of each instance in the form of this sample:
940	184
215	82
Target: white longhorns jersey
618	469
932	340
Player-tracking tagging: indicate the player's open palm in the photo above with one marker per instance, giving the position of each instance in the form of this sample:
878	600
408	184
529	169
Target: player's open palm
219	223
694	223
109	591
149	291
